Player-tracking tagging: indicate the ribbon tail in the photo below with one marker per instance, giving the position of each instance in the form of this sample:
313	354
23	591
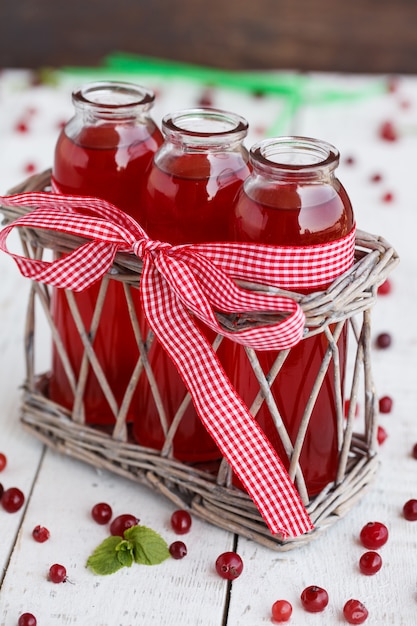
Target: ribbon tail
223	413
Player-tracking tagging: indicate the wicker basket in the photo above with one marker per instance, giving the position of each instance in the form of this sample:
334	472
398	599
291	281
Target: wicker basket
209	495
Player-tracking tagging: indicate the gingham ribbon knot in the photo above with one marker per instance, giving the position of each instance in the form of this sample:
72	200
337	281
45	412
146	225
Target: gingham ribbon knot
145	246
178	282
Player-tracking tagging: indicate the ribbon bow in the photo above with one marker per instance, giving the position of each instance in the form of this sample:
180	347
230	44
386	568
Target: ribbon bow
178	281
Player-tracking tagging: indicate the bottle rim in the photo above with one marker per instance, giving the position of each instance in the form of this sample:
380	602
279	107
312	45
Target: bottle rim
205	123
113	96
295	153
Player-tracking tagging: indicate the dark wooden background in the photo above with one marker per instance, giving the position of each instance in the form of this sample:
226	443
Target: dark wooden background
341	35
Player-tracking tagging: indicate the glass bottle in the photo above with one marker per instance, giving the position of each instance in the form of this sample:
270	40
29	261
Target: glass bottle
293	198
103	151
189	198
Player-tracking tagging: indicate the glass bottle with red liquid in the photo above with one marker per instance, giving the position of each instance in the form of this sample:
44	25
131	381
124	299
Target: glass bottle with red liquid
103	151
189	198
293	198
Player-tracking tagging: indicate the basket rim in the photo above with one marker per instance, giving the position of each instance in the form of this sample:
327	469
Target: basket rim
352	292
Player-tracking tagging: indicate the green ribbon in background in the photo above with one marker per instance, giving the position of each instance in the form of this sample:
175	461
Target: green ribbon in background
294	88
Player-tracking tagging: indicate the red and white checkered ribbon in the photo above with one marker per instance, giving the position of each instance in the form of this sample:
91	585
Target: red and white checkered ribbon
197	278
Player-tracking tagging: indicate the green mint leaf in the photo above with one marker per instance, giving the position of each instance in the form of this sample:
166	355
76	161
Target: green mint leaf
149	548
105	558
124	551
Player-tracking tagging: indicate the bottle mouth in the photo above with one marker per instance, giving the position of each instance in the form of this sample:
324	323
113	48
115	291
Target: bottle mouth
300	154
205	123
113	96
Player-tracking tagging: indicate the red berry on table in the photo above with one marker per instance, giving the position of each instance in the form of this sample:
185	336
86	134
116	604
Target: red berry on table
181	522
314	599
385	288
376	178
206	98
21	127
355	612
383	341
27	619
57	573
381	435
281	611
374	535
370	563
122	523
12	499
410	510
388	132
414	451
385	404
3	461
102	513
229	565
40	534
388	197
178	550
30	168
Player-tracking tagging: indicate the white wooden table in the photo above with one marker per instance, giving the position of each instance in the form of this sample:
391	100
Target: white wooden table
61	491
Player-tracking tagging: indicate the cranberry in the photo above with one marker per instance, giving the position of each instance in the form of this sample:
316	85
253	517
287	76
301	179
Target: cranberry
281	611
376	178
355	612
388	197
27	619
381	435
414	451
206	98
314	599
388	132
1	490
12	499
410	510
350	160
21	127
370	563
346	408
178	550
393	84
57	573
30	168
383	341
229	565
385	288
385	404
181	522
40	534
101	513
374	535
3	461
122	523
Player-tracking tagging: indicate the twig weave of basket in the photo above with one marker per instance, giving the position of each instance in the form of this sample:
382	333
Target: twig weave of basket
212	496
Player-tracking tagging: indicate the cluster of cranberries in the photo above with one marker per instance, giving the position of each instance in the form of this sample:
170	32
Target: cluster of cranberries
315	599
102	514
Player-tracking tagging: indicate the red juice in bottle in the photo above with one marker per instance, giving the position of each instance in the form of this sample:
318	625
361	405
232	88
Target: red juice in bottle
103	151
292	198
189	198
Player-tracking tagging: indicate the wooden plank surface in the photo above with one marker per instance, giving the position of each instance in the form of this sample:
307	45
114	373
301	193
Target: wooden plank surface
61	491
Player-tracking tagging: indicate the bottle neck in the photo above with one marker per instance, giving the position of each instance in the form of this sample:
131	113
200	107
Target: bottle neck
204	130
292	159
113	101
